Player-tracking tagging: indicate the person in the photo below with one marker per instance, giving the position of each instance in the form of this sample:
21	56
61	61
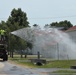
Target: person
2	32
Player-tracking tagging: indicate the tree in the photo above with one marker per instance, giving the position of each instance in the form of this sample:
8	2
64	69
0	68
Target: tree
35	25
17	20
66	24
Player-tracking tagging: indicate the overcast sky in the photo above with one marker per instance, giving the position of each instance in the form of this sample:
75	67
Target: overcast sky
41	12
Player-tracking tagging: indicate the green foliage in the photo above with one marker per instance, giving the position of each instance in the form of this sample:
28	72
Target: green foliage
64	71
18	16
66	24
35	25
29	45
17	20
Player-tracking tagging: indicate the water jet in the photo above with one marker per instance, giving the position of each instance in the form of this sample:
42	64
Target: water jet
50	42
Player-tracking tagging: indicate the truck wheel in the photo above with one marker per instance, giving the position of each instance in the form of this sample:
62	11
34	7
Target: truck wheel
5	58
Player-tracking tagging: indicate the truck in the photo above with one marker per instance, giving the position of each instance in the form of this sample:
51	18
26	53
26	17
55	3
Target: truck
3	51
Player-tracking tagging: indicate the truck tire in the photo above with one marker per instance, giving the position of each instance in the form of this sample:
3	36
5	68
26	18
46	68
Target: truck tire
5	57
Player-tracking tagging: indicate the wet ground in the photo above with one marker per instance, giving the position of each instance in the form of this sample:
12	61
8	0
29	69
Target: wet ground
6	68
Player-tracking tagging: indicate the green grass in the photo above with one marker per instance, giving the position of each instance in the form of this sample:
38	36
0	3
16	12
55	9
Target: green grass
50	64
61	63
64	72
22	61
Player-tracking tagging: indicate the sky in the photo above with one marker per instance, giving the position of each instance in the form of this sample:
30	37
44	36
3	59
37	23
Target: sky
41	12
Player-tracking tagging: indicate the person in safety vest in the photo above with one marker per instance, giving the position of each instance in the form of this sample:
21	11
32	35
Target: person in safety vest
2	32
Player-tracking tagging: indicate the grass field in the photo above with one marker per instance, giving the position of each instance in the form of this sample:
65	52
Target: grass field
64	71
50	63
